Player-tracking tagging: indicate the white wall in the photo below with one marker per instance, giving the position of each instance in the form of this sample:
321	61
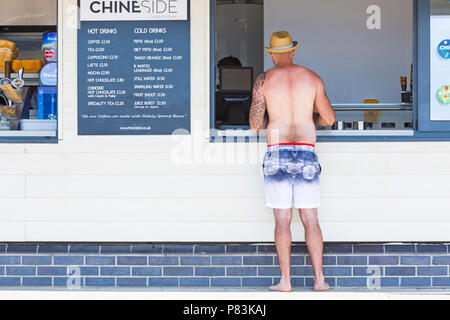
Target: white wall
355	63
137	189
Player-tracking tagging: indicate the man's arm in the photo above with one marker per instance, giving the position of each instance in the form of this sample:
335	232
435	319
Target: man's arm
258	120
323	112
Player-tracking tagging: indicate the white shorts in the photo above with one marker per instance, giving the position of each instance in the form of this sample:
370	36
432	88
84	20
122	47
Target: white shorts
291	177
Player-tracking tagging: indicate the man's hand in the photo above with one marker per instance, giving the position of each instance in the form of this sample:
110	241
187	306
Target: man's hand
258	120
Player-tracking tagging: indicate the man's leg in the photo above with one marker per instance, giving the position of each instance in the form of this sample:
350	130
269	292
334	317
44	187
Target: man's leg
314	241
283	240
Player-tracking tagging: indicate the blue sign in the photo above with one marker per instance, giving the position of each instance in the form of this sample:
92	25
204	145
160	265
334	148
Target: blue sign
134	77
444	49
49	74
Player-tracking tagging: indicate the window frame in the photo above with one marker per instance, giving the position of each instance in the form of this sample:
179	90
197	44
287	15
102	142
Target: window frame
59	98
421	104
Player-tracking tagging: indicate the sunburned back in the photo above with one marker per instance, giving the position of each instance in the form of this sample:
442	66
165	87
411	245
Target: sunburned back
290	93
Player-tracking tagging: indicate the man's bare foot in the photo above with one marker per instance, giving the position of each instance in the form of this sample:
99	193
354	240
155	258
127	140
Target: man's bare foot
283	286
321	286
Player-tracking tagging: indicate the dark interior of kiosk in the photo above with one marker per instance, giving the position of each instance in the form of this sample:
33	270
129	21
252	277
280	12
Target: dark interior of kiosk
28	69
240	28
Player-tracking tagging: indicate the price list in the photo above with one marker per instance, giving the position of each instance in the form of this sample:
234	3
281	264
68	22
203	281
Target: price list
134	77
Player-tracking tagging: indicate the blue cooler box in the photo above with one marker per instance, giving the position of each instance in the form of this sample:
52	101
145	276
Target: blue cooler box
47	103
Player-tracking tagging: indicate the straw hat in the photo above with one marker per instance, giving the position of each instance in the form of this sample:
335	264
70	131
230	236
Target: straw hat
281	42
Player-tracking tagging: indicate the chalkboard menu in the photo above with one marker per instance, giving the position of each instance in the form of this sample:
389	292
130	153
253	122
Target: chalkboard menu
134	67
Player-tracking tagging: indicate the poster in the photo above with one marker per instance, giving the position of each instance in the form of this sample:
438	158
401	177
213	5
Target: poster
133	67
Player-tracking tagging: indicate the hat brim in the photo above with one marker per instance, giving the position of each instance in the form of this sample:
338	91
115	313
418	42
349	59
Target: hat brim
274	50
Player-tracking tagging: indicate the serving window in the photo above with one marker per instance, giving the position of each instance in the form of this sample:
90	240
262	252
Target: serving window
366	52
28	71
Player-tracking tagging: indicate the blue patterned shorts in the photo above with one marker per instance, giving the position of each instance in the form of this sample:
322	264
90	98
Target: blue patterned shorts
291	177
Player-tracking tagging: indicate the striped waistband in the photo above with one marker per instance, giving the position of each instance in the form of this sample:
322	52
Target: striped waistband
292	144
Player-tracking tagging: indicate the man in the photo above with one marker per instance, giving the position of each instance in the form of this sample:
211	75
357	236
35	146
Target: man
295	100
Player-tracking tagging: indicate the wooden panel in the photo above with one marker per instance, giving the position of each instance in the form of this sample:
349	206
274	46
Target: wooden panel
210	162
144	186
221	210
227	186
12	231
12	186
232	232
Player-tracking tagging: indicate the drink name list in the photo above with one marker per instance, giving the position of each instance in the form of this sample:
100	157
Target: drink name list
134	77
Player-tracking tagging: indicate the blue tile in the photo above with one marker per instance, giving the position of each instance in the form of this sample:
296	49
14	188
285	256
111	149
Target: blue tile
146	248
241	248
368	248
209	249
21	248
383	260
147	271
442	260
309	282
415	260
194	282
352	282
210	271
441	282
368	271
131	282
111	249
262	248
269	271
431	248
9	281
84	248
37	281
178	249
99	282
163	282
337	271
64	282
114	271
400	271
352	260
241	271
21	271
400	248
225	282
68	260
163	261
299	248
415	282
432	271
178	271
390	282
52	271
326	260
11	260
258	260
2	248
195	261
337	248
100	261
295	261
257	282
89	271
53	249
302	271
36	260
2	270
226	260
134	261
